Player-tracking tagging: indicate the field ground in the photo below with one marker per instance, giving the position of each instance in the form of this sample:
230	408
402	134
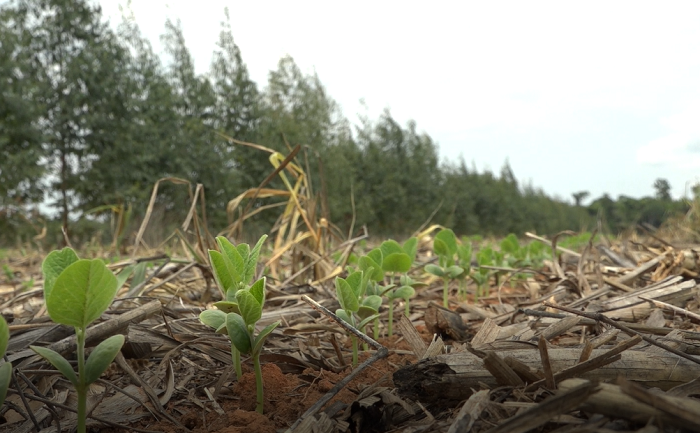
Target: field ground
598	341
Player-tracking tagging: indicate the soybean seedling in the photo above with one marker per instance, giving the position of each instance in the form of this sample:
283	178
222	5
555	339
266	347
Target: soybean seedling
6	368
76	293
397	259
240	327
233	268
464	261
485	257
354	304
445	247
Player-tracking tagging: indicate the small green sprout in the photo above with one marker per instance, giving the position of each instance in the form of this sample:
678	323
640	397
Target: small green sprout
76	293
356	309
397	259
464	261
6	368
238	314
240	328
485	257
233	268
445	247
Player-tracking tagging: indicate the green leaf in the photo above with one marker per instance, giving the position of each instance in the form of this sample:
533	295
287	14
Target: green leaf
251	310
372	301
396	262
346	296
435	270
355	282
364	311
453	271
213	318
5	379
464	252
440	249
252	261
449	241
222	272
510	244
262	336
344	315
376	256
227	306
238	332
258	291
57	361
139	274
404	292
4	336
366	320
54	264
410	247
372	269
235	262
82	292
485	257
123	275
101	357
389	247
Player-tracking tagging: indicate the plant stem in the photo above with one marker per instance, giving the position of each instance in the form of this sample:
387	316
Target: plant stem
354	351
445	303
81	389
236	356
258	382
408	308
391	317
376	329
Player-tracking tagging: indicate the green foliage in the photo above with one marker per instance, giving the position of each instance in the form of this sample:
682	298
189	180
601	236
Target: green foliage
81	101
6	368
357	309
445	247
76	293
233	268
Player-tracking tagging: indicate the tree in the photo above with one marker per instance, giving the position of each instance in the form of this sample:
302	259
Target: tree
237	106
20	136
662	189
79	67
197	153
580	196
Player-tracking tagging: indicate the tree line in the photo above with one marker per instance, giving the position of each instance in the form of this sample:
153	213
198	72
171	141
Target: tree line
91	116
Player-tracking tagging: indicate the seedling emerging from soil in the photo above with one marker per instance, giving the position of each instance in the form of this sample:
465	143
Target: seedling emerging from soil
240	328
233	268
6	368
353	302
76	293
397	259
464	261
445	247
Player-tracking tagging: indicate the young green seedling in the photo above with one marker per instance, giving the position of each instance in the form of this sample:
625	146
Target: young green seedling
397	259
445	247
371	266
241	330
6	368
353	302
76	293
485	257
233	268
464	261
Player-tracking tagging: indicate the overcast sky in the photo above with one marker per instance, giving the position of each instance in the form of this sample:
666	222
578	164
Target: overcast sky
597	96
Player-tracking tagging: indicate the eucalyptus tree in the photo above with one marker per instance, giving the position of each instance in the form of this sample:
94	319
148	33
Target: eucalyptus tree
200	156
20	136
78	66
